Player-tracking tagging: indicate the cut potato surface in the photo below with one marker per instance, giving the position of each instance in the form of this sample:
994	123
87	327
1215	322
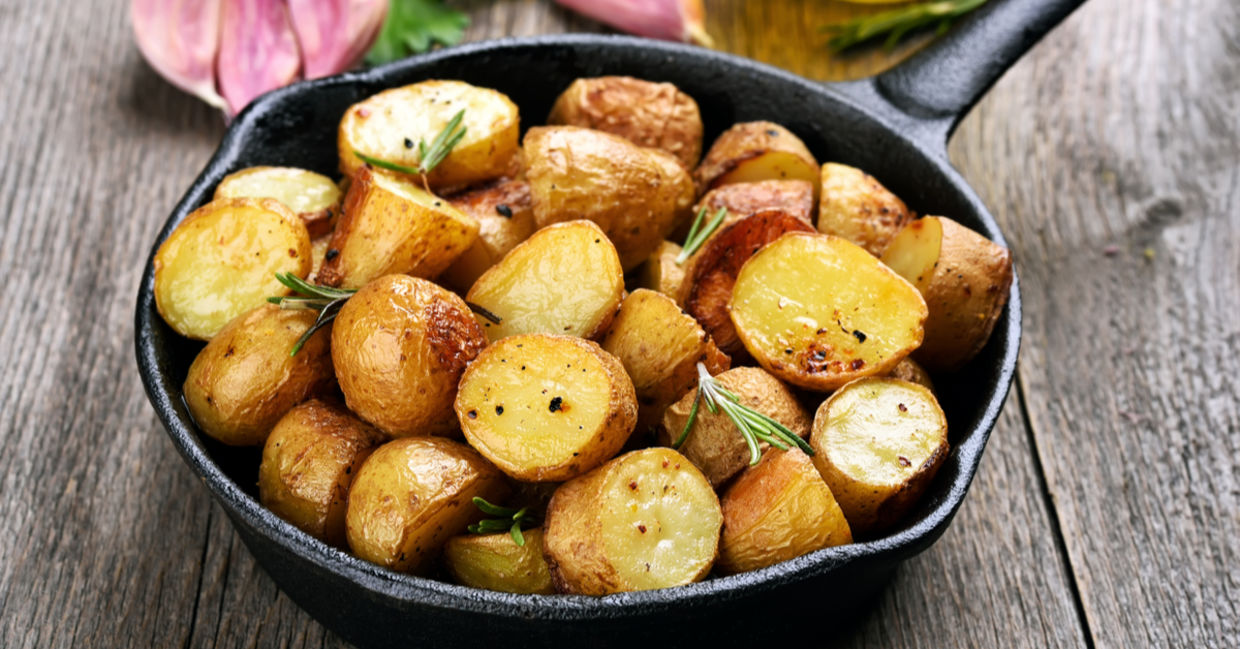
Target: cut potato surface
496	562
661	273
504	218
755	151
313	197
857	207
818	311
546	408
878	443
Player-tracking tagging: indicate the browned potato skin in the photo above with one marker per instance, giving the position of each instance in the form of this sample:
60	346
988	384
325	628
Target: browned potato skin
857	207
777	510
636	195
309	462
794	197
496	562
909	370
505	219
413	494
244	380
746	143
661	273
713	444
399	346
649	114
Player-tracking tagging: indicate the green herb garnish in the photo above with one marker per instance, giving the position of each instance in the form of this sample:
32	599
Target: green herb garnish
698	235
413	26
429	156
896	23
324	299
506	519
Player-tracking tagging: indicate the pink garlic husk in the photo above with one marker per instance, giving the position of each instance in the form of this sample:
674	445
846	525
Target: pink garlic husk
180	38
669	20
258	50
335	34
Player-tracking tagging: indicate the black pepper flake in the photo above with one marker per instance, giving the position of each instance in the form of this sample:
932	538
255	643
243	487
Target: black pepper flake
859	336
332	253
903	408
787	350
472	414
641	528
438	204
772	132
633	485
557	404
821	332
499	410
408	143
904	461
820	355
504	210
857	364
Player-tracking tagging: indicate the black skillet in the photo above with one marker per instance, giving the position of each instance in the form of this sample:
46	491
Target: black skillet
894	126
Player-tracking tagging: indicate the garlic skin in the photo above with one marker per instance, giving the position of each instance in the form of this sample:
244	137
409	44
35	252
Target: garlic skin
335	34
670	20
180	38
258	50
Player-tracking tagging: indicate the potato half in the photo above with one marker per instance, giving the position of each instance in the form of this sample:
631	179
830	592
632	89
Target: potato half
661	273
878	443
312	197
818	311
413	494
222	260
546	408
754	151
565	279
309	462
964	278
496	562
647	519
504	218
855	206
778	510
400	345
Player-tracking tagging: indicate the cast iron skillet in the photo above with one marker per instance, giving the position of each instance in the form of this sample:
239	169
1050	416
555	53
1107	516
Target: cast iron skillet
894	126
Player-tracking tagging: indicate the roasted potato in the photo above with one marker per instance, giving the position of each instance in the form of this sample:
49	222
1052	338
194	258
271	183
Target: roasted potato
399	346
661	273
909	370
391	124
392	225
713	444
318	256
222	260
964	278
565	279
413	494
244	380
647	519
312	197
778	510
546	408
637	195
496	562
878	443
309	462
660	347
794	197
649	114
753	151
855	206
504	218
818	311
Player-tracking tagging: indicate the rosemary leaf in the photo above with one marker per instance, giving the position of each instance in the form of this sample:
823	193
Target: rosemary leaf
429	156
897	23
697	237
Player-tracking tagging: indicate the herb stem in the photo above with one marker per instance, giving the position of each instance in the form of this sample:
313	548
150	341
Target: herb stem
698	235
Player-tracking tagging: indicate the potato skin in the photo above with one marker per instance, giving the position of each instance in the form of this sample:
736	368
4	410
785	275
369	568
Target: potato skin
502	210
413	494
399	346
649	114
909	370
753	151
794	197
496	562
309	462
661	273
244	380
857	207
313	197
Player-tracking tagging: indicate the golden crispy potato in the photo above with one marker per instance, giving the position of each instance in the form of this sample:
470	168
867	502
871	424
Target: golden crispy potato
818	311
390	124
878	443
312	197
649	114
778	510
318	256
713	444
909	370
413	494
647	519
496	562
546	408
857	207
399	346
661	273
504	218
793	197
308	464
222	260
392	225
637	195
660	347
754	151
565	279
964	278
244	380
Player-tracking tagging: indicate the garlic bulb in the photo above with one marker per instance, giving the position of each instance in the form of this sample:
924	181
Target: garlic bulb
672	20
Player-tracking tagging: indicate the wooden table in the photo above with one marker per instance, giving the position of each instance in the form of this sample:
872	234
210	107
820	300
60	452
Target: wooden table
1106	512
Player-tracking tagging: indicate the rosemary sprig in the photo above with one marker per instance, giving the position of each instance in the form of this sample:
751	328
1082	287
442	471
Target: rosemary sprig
429	156
698	235
324	299
896	23
506	519
754	426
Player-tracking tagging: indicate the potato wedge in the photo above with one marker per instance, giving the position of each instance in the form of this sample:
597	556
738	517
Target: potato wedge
504	218
412	495
778	510
318	256
222	260
754	151
661	273
636	195
855	206
647	519
713	444
818	311
546	408
565	279
649	114
309	462
400	345
878	443
390	124
392	225
496	562
909	370
964	278
660	347
244	380
312	197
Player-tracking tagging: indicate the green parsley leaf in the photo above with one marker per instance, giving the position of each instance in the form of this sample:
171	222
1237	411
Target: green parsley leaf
413	26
